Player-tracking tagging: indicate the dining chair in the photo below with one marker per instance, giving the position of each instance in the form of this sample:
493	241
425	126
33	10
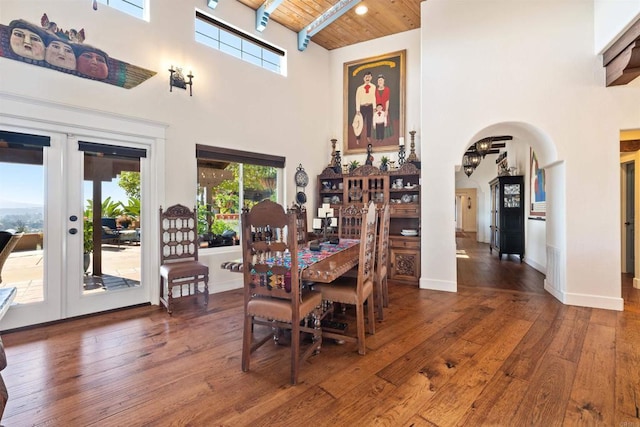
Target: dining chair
345	291
272	288
301	223
180	271
8	242
349	222
382	259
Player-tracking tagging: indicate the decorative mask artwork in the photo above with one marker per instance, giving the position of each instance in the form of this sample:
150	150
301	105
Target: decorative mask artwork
52	47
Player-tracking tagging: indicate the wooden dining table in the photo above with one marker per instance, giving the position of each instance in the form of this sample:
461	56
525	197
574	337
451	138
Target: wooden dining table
324	265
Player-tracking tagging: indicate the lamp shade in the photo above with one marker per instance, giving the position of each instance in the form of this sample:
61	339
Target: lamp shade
483	146
468	170
474	159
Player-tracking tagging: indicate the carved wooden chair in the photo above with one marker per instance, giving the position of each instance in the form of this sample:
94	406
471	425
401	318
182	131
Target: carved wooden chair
8	241
302	231
272	290
350	222
382	259
180	272
345	291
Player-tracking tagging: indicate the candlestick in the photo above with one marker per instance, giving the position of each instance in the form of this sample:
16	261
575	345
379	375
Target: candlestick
332	162
412	155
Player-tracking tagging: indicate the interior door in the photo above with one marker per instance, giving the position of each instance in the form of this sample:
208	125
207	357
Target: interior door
630	215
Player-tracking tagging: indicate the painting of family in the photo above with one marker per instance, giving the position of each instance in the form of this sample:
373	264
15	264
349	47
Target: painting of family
374	102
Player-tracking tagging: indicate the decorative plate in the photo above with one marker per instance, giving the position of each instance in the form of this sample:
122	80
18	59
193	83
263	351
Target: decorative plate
302	179
406	198
335	200
301	198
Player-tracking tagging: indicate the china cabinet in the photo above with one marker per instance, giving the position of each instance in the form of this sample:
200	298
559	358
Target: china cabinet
401	189
507	215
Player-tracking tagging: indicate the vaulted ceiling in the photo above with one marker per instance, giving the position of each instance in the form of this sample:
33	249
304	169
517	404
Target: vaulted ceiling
385	17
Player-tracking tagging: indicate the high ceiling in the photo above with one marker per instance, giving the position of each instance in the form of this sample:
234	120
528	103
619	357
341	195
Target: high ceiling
385	17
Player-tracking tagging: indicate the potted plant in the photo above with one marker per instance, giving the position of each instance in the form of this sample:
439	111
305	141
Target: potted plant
353	165
87	244
384	163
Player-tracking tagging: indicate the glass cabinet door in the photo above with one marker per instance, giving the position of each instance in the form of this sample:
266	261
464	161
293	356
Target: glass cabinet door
512	195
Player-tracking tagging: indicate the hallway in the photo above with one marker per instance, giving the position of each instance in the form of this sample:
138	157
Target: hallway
477	268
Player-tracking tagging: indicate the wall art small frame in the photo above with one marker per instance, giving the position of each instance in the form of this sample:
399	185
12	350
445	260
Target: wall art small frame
537	190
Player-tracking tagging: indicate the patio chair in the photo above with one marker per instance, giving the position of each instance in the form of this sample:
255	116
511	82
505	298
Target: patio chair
180	271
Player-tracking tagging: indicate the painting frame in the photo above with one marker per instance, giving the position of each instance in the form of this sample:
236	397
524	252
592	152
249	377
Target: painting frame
537	190
382	136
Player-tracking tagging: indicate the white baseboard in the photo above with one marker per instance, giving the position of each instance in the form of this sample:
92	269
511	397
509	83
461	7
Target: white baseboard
438	285
541	268
583	300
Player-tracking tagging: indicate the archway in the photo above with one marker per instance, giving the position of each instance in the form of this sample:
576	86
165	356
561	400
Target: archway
551	261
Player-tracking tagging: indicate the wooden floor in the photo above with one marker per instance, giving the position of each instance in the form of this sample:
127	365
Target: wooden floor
500	352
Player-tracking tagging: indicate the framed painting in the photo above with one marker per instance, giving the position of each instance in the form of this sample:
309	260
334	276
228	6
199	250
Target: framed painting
374	102
537	187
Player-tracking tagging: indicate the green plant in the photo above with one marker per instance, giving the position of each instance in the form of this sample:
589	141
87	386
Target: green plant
88	237
220	226
132	208
384	160
110	209
353	165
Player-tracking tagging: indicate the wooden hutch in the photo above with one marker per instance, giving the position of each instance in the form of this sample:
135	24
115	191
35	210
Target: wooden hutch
401	189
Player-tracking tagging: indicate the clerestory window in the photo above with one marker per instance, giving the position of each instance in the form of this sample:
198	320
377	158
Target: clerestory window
232	41
137	8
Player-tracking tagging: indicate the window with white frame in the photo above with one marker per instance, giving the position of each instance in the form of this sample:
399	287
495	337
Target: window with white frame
225	38
137	8
228	181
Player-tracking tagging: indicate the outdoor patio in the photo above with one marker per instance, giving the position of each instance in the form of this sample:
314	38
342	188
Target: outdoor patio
25	271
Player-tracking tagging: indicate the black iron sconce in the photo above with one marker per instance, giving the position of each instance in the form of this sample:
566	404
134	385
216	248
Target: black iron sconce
177	79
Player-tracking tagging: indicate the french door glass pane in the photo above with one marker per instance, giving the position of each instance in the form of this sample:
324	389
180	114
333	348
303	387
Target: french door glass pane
112	238
22	211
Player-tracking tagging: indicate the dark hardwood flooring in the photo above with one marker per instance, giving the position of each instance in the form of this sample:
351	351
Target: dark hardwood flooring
499	352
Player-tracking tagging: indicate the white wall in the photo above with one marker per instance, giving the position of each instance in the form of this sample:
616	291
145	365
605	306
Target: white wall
234	104
612	18
529	62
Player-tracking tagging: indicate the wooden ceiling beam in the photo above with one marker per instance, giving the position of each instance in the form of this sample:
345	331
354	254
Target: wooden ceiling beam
622	59
264	11
630	145
323	21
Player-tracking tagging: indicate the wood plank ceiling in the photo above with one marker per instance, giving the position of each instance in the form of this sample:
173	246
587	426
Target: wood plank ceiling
385	17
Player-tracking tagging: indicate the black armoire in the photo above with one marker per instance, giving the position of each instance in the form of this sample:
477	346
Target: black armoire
507	215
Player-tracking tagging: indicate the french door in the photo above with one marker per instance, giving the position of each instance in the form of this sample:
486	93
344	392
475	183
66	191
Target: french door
82	248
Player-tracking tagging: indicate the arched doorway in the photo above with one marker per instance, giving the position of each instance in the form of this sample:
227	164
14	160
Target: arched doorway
550	234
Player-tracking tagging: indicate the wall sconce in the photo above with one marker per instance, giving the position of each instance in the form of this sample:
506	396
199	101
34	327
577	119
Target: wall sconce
468	202
176	79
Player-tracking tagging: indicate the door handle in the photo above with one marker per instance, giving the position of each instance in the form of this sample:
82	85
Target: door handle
73	231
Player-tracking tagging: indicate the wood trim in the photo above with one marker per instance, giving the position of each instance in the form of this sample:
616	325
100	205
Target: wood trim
239	156
621	43
622	59
629	146
625	67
